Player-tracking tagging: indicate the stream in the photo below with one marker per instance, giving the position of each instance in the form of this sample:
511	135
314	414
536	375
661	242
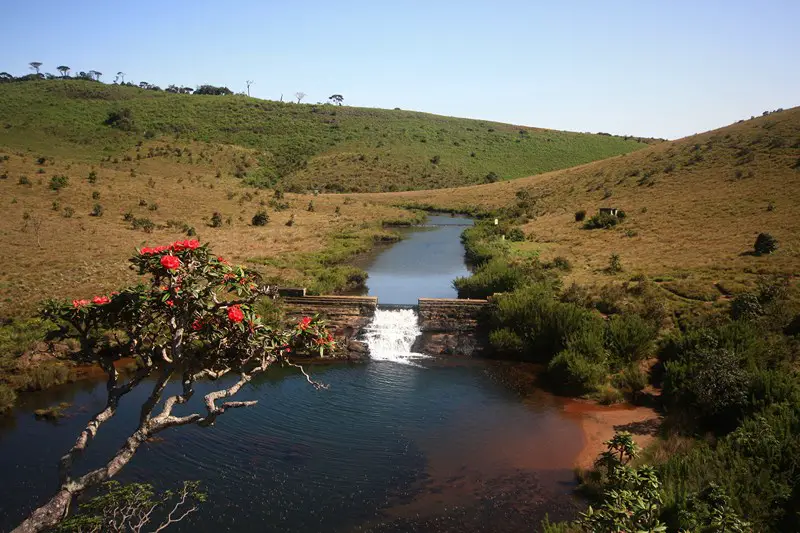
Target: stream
401	443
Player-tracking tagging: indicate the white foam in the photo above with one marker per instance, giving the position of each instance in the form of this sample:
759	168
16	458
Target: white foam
391	335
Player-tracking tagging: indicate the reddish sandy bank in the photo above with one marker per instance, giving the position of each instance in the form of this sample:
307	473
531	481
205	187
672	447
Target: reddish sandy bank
600	422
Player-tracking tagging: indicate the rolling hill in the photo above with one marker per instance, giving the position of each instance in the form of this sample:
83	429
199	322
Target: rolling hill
302	147
694	208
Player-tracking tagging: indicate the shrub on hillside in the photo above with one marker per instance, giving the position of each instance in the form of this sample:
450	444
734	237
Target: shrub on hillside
746	306
515	235
765	244
543	323
144	224
92	178
97	210
601	221
561	263
495	276
216	219
121	119
573	373
58	182
580	215
260	218
629	338
491	177
505	342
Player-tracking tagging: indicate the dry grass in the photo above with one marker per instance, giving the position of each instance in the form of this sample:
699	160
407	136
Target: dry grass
694	206
85	255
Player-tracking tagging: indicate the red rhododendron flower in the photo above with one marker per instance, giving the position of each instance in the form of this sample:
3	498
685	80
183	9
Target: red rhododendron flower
77	304
197	325
222	260
305	322
235	313
100	300
170	303
170	262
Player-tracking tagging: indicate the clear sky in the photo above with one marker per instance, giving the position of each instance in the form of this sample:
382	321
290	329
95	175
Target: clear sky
665	68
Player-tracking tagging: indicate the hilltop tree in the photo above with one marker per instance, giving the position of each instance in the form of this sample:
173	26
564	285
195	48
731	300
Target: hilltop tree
121	76
35	66
95	74
194	319
336	99
64	70
299	95
249	83
5	76
211	89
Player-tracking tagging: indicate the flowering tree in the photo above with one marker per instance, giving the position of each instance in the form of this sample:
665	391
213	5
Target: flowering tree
193	320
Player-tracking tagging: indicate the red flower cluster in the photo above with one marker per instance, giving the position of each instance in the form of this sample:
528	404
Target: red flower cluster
176	246
235	313
170	303
77	304
170	262
197	325
185	245
305	322
100	300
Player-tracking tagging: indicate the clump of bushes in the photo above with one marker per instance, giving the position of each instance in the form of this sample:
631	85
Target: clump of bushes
24	180
495	276
216	219
144	224
92	178
765	244
58	182
121	119
604	220
580	215
260	218
515	235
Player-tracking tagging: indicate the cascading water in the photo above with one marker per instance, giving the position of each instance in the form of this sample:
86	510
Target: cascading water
391	335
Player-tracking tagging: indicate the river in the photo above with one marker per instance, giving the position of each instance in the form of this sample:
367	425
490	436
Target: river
421	444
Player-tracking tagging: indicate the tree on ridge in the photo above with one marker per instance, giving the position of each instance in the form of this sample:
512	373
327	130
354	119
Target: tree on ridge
299	95
64	70
35	65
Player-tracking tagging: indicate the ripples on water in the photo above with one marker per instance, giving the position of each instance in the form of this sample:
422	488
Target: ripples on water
387	447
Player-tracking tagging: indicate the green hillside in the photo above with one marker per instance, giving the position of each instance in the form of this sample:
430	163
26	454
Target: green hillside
303	147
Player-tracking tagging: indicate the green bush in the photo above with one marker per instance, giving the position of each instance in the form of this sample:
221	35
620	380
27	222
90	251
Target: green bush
561	263
216	220
7	398
746	306
601	221
58	182
573	373
765	244
97	210
632	377
495	276
515	235
710	383
629	338
580	215
543	323
121	119
144	224
260	218
505	342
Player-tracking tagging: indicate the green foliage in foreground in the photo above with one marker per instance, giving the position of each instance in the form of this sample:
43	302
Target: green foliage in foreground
133	506
631	498
324	147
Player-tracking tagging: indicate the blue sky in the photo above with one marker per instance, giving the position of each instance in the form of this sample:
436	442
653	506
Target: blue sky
654	68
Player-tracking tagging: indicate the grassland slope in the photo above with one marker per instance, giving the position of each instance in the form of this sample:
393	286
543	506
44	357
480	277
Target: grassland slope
694	208
302	147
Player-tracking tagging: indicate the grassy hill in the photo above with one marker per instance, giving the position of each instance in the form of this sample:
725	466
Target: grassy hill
302	147
694	208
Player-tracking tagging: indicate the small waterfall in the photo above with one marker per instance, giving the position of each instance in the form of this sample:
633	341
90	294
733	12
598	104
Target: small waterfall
391	335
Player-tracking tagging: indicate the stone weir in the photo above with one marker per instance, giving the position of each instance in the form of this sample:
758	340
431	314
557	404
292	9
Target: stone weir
452	326
449	326
346	315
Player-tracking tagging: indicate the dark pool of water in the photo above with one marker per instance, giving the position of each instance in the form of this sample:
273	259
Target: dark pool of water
424	264
387	447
